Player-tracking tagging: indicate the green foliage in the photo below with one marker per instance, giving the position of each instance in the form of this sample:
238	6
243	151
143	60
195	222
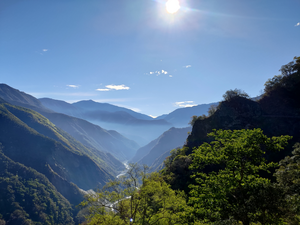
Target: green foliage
230	94
27	197
288	178
228	177
150	202
212	109
273	82
195	118
176	171
284	80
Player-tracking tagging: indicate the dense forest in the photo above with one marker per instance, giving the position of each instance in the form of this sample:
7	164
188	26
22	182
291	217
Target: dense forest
240	165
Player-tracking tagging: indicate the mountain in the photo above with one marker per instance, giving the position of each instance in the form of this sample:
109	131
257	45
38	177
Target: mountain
95	137
133	125
172	138
78	109
93	106
59	161
27	197
109	144
17	97
276	113
182	116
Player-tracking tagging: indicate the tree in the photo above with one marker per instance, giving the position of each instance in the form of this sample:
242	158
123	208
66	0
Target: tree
288	177
230	94
212	109
195	118
292	68
228	182
126	201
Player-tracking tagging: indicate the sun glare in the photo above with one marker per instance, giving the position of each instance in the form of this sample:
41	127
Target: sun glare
172	6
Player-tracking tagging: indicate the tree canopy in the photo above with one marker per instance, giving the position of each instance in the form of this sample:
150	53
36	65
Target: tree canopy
125	201
227	173
230	94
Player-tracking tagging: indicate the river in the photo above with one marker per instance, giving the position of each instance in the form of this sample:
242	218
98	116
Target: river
124	171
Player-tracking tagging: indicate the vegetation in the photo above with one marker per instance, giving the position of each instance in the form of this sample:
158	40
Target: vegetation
228	177
230	185
212	109
27	197
230	94
126	201
288	177
285	79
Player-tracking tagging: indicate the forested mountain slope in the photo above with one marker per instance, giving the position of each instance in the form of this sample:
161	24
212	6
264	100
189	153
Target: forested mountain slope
27	197
172	138
57	160
90	135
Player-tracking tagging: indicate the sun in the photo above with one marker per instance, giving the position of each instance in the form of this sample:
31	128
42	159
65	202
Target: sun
172	6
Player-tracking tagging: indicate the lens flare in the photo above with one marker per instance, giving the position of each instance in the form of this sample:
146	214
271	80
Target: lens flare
172	6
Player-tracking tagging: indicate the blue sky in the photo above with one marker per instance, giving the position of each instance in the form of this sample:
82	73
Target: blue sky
133	53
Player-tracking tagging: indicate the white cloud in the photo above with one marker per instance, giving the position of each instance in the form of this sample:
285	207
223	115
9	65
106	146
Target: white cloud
117	87
298	24
45	50
104	89
72	86
159	72
113	87
153	116
188	66
170	76
185	104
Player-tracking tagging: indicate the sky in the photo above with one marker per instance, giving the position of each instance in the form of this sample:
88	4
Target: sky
134	54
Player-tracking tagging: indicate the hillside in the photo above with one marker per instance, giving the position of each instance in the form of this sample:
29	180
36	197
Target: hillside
127	122
182	116
27	197
60	163
172	138
107	145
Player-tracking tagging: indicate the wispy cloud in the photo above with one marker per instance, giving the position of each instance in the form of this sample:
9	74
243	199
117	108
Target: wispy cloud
72	86
103	89
188	66
170	76
158	72
117	87
298	24
113	87
45	50
185	104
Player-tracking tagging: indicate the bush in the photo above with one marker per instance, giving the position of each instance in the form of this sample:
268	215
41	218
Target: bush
230	94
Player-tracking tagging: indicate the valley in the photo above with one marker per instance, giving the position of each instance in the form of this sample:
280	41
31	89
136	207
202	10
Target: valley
54	155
